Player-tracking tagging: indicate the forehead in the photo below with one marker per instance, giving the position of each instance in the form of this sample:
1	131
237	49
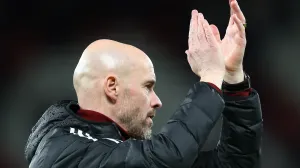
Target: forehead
141	66
150	75
144	70
146	73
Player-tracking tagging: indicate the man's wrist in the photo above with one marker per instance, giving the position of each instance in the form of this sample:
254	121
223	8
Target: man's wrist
234	77
217	80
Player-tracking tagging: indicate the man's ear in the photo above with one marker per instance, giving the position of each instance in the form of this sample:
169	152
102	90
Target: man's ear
111	88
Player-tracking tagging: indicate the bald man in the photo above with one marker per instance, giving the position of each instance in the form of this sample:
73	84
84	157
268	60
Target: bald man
110	124
116	79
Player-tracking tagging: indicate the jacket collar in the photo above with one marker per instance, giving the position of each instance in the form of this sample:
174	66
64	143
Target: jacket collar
97	119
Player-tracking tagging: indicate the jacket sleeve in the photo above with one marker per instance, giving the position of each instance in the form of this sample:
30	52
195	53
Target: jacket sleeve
240	142
179	142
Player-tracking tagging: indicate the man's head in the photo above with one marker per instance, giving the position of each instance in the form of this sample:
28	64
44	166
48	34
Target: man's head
117	80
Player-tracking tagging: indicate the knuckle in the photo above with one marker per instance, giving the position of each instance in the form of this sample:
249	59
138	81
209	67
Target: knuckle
199	51
200	35
211	46
194	50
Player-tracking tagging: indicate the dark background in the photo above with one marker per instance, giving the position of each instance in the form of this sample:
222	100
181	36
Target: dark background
43	40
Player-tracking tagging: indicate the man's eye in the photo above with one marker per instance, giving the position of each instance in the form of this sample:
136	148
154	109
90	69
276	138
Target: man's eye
149	87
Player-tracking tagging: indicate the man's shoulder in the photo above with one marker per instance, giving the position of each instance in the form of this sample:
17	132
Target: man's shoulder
79	134
61	136
67	141
69	145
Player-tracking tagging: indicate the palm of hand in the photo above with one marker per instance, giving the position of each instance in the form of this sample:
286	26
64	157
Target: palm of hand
233	47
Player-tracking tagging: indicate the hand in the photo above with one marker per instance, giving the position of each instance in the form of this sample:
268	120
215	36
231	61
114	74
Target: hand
233	44
204	53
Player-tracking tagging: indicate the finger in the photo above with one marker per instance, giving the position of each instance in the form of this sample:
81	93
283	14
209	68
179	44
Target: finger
216	32
231	12
193	29
201	32
230	23
209	34
239	25
237	10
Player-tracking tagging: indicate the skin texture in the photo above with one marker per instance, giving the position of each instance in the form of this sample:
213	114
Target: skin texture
117	80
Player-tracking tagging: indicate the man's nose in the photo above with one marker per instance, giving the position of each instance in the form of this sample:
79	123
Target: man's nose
155	102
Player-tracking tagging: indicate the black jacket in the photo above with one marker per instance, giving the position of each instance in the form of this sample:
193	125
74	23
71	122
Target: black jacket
61	139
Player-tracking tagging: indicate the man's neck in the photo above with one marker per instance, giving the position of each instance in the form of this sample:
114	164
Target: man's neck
99	116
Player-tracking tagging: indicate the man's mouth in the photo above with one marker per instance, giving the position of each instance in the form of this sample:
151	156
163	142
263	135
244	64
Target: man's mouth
151	115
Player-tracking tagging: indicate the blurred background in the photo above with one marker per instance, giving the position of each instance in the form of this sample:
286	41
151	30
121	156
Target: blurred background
43	40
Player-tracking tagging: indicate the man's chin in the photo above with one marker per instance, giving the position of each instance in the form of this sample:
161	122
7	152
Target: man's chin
148	134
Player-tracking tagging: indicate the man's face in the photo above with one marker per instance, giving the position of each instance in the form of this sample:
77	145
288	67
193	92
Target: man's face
138	104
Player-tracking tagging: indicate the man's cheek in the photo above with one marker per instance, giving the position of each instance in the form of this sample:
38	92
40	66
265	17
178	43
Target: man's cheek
132	92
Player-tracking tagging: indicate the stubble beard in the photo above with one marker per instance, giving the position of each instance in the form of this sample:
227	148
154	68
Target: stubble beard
133	119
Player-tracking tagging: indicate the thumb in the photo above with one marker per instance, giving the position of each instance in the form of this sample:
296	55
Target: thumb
216	32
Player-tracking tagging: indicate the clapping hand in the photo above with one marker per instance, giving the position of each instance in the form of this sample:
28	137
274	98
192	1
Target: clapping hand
204	54
233	44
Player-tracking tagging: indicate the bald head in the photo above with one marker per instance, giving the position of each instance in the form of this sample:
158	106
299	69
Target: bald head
104	57
118	80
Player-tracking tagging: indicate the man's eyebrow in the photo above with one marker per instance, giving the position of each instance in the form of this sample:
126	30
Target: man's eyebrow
150	81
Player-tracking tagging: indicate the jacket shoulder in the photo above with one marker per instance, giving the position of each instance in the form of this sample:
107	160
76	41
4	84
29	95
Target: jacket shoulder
66	147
